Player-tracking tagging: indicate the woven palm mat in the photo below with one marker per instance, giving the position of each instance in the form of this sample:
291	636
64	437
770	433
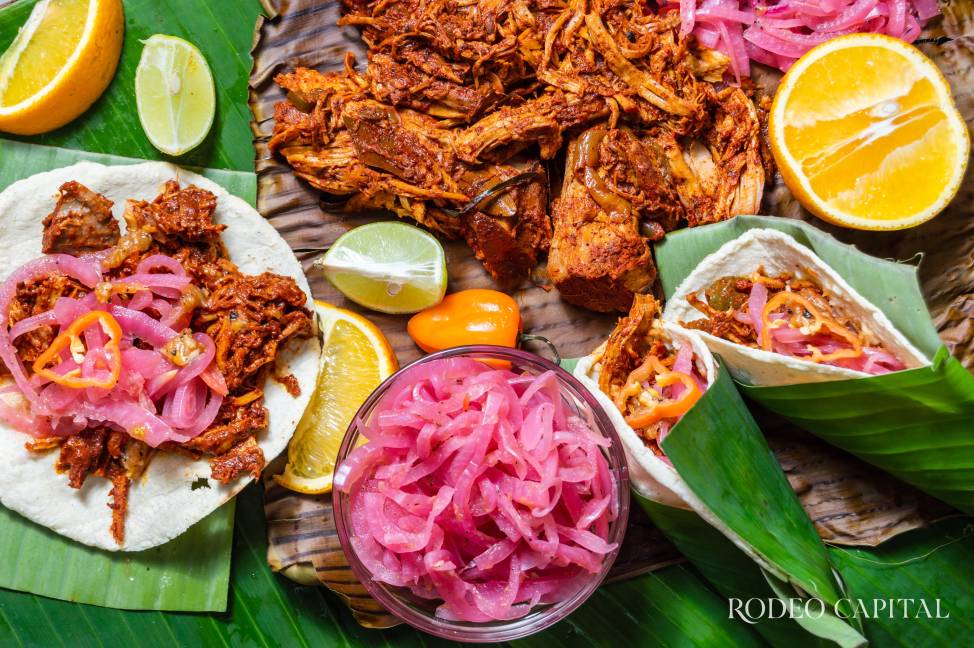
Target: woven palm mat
849	501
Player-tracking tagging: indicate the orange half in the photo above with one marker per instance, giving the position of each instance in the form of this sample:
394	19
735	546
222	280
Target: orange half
866	134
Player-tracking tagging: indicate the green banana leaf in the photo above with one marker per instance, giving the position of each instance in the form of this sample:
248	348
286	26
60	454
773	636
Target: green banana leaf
190	573
671	607
723	458
728	569
936	565
929	564
222	29
913	424
19	160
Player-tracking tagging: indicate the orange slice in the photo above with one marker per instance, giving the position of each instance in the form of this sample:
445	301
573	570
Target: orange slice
357	357
61	61
866	134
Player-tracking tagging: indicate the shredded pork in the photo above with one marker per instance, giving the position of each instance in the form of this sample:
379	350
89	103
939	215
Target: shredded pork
460	95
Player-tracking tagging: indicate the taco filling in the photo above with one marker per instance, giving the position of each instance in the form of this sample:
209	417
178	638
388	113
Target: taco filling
121	346
650	380
791	316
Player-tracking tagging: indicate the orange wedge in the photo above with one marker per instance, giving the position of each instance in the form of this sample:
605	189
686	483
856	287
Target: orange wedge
61	61
866	134
357	357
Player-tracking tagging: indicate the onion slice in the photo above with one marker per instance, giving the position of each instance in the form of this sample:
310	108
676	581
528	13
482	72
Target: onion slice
778	33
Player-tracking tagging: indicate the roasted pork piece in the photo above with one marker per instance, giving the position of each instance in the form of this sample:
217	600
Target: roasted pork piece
402	160
459	94
599	257
81	222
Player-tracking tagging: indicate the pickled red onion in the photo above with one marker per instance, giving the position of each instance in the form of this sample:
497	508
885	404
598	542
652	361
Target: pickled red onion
776	33
188	398
790	341
756	302
479	488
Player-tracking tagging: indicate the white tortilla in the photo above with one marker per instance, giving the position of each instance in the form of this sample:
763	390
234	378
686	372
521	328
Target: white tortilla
777	253
161	505
650	476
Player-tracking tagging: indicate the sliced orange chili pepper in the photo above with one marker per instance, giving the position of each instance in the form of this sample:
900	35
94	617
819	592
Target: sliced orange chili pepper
783	299
71	338
476	316
669	408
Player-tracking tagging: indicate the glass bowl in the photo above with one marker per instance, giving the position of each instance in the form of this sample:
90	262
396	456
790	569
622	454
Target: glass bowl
420	613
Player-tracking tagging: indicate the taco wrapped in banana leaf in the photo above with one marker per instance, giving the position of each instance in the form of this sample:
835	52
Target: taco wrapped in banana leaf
651	375
647	375
779	315
692	444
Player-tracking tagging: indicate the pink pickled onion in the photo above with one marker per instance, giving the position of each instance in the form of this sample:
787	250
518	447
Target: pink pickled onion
142	326
777	33
791	341
475	486
188	399
140	300
756	302
26	325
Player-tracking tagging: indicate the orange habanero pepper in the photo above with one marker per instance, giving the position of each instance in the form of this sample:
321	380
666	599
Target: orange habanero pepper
476	316
668	408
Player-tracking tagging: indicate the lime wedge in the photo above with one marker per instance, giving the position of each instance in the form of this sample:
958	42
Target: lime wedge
389	267
174	94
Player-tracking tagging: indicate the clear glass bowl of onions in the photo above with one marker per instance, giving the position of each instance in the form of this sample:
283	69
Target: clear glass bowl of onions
540	459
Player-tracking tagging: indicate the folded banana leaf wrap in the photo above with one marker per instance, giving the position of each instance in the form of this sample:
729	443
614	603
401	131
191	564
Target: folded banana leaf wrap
914	424
718	466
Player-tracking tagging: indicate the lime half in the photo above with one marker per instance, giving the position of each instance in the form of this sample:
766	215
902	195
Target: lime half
174	94
389	267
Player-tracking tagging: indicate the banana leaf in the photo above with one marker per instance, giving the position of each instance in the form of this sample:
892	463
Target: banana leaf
189	573
935	565
932	563
671	607
722	456
20	160
728	569
913	424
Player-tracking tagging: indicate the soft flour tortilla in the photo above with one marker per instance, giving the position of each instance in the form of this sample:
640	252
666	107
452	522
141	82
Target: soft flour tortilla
161	504
650	476
777	253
